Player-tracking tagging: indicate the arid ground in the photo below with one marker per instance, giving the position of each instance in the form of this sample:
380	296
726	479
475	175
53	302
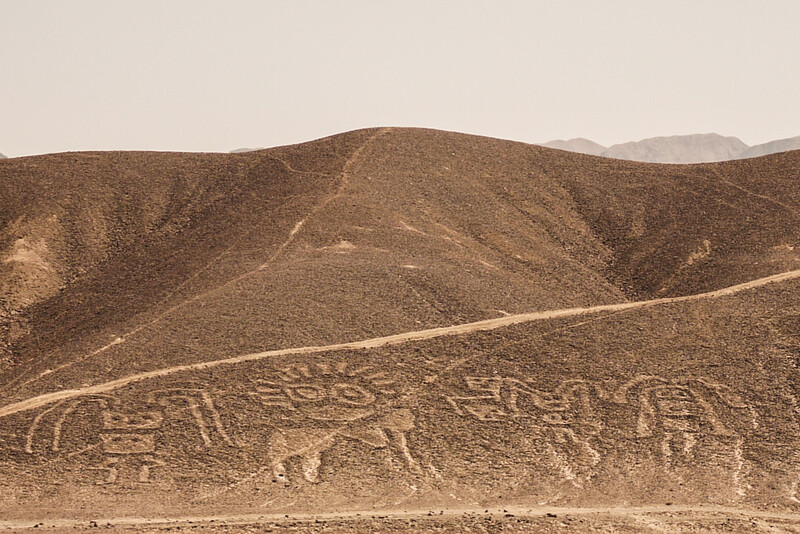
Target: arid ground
399	330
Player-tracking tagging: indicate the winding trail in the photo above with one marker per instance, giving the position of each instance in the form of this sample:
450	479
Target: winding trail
396	339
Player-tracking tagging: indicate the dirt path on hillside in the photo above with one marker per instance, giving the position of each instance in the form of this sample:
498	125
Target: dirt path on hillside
344	177
488	324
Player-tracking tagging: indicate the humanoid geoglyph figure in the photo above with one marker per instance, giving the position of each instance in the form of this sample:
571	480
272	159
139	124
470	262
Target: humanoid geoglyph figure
564	419
694	424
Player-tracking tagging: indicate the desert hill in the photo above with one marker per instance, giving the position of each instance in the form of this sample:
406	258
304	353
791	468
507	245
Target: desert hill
183	332
2	156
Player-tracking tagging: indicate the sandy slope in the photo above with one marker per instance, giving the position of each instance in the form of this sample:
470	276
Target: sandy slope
489	324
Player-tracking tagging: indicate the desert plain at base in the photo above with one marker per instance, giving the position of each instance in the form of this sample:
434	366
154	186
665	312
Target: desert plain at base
656	388
541	520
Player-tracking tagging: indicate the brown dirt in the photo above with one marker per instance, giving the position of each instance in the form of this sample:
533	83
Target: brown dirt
553	520
543	329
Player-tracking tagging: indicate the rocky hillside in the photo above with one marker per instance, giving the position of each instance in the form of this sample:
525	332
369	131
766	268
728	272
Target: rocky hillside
396	319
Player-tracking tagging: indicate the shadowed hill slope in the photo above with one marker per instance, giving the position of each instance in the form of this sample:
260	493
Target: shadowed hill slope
686	229
133	261
117	264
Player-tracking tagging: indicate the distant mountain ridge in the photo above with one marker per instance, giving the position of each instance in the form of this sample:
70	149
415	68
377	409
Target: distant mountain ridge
2	156
772	147
579	144
696	148
679	149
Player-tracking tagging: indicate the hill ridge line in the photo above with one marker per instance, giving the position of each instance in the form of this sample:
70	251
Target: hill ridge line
394	339
746	191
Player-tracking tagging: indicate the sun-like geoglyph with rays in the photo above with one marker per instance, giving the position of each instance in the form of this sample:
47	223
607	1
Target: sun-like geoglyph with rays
328	392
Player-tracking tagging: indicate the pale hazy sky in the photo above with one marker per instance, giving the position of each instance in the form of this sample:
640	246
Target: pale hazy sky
218	75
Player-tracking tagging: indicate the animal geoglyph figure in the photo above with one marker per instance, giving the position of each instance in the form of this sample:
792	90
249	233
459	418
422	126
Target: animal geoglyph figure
333	402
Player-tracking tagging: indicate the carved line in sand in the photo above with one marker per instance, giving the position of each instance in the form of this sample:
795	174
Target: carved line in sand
328	402
677	413
348	400
565	417
679	405
128	437
196	400
680	413
794	490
